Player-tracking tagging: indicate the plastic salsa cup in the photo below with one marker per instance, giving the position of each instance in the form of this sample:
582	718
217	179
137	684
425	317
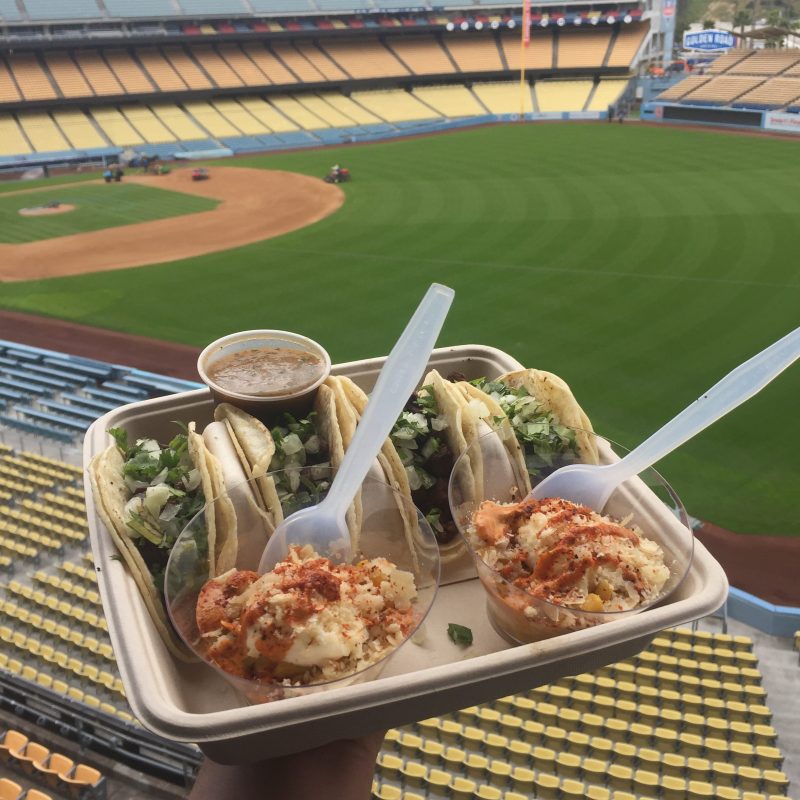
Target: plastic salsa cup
276	393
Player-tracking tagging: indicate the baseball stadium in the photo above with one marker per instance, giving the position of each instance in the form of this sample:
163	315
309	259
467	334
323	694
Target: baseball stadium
176	171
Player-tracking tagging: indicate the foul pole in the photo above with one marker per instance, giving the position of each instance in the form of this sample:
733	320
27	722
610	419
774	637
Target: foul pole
525	40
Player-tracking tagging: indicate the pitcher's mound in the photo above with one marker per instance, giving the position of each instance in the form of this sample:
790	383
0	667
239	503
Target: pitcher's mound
45	211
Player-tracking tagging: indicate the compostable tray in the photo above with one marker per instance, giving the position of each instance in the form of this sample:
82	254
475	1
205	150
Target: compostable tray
191	702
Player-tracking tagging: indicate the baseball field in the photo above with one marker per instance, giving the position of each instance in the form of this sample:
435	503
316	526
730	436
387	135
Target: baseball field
639	263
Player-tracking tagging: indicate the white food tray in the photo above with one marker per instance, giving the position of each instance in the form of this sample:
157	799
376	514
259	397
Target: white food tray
190	702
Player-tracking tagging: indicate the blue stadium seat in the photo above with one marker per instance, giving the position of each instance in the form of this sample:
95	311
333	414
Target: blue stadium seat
135	392
27	389
243	144
31	378
30	426
58	374
66	410
161	383
113	397
94	370
298	138
94	404
54	420
11	394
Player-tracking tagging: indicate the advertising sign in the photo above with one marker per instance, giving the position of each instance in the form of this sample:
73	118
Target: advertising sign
781	121
708	41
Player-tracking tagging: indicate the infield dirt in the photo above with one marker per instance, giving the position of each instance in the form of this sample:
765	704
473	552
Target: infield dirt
254	205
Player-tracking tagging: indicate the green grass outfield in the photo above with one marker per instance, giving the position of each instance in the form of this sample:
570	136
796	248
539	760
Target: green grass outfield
639	263
97	206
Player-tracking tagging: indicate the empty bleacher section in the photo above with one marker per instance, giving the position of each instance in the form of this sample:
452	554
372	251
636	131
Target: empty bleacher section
364	58
606	93
141	8
97	73
394	105
422	55
67	75
129	74
556	96
450	101
245	69
626	45
274	92
503	98
582	48
723	90
147	124
12	140
766	62
81	132
116	127
474	53
774	93
29	76
763	79
43	134
160	70
538	54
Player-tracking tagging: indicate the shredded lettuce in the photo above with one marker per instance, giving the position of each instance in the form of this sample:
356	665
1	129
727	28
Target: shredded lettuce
542	437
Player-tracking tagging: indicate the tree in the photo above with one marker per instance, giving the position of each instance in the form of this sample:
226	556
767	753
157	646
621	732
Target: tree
708	24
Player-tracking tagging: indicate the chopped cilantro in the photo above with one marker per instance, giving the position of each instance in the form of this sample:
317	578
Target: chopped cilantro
459	634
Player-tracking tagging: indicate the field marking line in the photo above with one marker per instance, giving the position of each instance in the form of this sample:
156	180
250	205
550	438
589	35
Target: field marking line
531	268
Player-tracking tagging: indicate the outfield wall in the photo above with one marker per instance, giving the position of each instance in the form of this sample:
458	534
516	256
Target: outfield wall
767	120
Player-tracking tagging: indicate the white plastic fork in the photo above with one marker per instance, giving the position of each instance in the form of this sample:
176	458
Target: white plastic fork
323	526
592	485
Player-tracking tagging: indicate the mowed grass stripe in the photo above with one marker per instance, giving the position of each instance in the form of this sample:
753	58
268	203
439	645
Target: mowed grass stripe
639	263
97	206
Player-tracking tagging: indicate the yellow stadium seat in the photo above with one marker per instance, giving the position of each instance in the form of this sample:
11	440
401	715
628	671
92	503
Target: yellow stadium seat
453	759
597	793
476	765
546	786
389	766
13	743
30	760
568	765
438	780
82	778
414	774
56	768
9	790
572	790
522	780
387	792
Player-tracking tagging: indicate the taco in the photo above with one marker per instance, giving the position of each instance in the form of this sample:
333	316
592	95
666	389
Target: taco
289	464
534	414
145	494
547	421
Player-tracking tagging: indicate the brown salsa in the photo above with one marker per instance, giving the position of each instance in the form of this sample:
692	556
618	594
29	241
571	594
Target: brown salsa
266	371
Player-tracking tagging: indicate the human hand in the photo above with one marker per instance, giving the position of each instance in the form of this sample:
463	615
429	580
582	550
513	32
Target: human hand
342	770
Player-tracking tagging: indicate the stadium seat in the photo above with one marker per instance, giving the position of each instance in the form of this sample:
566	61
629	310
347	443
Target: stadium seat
55	769
9	790
13	743
82	778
